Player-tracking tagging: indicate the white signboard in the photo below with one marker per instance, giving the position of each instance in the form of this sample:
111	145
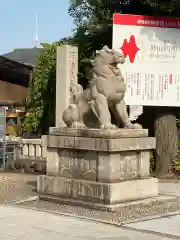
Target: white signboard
152	67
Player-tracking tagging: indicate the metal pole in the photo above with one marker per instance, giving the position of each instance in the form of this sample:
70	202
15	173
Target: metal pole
4	152
4	141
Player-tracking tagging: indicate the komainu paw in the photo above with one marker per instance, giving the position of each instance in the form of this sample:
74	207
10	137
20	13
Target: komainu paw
78	125
109	126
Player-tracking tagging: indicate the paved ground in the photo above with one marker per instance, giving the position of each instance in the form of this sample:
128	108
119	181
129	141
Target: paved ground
15	186
169	226
170	188
19	223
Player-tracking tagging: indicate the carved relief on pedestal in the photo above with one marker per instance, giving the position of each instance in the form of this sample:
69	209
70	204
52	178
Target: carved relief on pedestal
78	164
88	191
128	166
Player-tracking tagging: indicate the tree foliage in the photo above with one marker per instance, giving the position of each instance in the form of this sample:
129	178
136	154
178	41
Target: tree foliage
41	91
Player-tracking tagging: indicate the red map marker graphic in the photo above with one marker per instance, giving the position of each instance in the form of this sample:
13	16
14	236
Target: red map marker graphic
130	48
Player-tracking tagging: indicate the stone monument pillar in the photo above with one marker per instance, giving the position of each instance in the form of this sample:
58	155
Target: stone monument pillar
66	74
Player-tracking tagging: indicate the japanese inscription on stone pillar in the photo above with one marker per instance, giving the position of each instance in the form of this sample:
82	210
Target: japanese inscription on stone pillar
66	74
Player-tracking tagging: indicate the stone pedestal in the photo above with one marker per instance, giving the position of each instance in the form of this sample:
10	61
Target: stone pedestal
106	167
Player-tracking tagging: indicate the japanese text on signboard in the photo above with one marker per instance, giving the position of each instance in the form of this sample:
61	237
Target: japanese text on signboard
152	47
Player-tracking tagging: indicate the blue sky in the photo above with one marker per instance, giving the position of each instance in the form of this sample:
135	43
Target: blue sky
18	21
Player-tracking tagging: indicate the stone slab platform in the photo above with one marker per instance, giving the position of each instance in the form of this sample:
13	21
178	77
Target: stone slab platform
99	192
116	208
99	144
98	133
127	212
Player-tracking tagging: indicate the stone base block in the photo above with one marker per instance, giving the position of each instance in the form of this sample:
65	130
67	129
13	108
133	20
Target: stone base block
132	207
106	193
99	133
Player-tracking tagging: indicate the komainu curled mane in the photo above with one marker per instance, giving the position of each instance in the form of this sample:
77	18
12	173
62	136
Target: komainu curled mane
106	91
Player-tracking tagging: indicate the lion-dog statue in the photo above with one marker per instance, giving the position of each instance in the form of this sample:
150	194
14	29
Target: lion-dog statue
93	107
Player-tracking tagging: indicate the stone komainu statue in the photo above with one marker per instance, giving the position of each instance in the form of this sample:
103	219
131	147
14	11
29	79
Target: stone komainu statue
91	108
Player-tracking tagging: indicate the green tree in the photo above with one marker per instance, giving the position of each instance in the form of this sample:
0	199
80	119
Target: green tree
41	92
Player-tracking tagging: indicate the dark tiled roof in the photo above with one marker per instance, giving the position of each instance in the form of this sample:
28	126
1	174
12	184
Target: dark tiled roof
14	72
27	56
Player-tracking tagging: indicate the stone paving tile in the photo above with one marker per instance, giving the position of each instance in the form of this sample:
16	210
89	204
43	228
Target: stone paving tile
169	225
170	188
16	186
18	223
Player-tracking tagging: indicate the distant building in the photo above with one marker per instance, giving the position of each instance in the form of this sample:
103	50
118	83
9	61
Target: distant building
15	69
